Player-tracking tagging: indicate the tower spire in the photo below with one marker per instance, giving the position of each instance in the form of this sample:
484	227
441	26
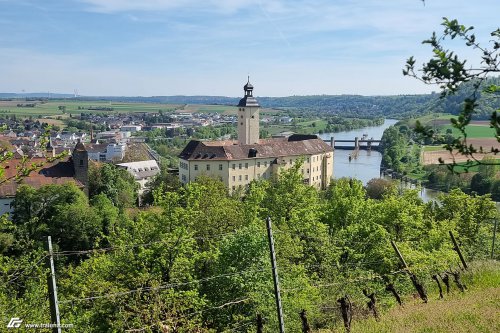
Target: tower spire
248	116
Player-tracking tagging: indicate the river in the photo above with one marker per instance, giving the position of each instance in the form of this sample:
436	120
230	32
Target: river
367	165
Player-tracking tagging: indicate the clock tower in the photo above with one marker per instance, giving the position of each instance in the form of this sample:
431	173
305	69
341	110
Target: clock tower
248	117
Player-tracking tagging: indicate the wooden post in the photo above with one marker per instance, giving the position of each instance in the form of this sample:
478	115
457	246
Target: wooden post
457	249
458	282
395	247
346	309
279	308
435	278
260	325
372	304
446	280
418	286
305	324
390	287
494	236
51	281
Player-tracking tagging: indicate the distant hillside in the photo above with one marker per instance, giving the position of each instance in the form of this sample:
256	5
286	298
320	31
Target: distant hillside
399	106
33	95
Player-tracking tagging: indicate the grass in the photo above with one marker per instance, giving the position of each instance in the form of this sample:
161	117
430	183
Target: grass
460	168
418	175
432	148
473	131
429	119
476	310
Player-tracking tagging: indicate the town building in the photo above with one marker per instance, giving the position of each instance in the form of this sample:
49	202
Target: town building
249	158
101	152
131	128
143	172
72	169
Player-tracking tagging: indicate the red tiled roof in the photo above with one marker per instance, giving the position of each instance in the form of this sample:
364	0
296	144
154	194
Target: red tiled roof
295	145
58	172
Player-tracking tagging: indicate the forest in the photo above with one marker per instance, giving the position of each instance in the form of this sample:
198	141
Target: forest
197	259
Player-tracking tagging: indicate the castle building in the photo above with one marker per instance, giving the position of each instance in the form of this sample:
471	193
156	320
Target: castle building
249	158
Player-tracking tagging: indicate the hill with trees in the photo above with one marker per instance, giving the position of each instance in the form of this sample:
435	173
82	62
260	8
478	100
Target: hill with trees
353	106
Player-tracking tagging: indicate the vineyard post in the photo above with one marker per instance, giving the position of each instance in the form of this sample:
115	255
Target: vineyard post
277	295
51	281
457	249
418	286
494	236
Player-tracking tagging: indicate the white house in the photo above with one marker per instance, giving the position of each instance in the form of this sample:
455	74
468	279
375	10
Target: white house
106	152
131	128
143	171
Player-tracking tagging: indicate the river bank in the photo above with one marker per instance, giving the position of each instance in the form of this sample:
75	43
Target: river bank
367	165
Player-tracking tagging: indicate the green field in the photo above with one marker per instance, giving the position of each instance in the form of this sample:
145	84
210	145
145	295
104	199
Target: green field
51	108
432	148
432	119
226	109
460	168
473	131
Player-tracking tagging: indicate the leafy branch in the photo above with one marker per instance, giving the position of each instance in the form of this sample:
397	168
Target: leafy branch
447	70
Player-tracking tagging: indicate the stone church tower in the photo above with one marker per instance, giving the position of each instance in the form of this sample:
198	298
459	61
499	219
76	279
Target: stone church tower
248	117
80	158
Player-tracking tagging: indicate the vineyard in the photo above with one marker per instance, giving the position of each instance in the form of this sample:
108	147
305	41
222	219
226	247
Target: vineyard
199	260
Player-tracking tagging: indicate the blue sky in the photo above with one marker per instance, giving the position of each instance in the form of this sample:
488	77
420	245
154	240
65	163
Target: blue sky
191	47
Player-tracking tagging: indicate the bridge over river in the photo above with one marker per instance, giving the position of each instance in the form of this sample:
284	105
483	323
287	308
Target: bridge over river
355	144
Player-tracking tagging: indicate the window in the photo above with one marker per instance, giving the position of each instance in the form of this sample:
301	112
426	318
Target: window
183	178
81	162
234	178
241	124
258	164
308	170
234	188
239	166
246	165
246	177
253	117
208	167
308	160
239	178
196	166
265	164
234	166
241	116
290	161
220	166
